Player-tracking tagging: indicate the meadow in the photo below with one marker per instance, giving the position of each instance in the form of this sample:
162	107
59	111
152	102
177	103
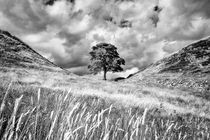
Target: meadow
58	111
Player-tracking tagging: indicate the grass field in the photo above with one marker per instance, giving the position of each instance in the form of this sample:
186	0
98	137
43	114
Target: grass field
83	109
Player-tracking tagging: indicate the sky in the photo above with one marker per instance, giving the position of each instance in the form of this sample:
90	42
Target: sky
65	30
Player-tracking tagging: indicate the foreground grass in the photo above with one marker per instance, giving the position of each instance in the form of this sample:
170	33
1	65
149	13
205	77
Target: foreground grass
33	113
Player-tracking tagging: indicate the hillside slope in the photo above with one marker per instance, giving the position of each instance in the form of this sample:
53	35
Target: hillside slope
189	68
16	54
34	93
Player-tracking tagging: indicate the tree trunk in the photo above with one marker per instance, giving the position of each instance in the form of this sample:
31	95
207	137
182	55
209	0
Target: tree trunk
104	73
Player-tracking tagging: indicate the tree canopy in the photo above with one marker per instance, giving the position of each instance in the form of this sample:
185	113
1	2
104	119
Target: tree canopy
104	57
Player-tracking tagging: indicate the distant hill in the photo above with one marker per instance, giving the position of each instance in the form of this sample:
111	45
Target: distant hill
16	54
189	68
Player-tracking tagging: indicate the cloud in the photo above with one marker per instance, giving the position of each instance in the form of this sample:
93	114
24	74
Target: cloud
192	7
185	20
59	10
65	30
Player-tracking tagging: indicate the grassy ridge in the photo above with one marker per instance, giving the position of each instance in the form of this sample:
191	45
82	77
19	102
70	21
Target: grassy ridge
41	113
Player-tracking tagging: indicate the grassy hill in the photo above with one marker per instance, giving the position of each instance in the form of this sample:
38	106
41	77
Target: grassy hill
16	54
188	69
39	101
19	62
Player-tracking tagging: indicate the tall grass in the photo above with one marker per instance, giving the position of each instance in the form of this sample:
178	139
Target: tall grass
32	113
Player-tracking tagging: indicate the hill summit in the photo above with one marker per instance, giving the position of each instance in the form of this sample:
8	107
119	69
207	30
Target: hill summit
188	68
16	54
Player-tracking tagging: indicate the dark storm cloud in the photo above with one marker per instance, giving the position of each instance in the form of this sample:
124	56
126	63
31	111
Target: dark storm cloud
51	2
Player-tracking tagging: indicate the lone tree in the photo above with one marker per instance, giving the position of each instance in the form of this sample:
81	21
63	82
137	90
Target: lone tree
104	57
